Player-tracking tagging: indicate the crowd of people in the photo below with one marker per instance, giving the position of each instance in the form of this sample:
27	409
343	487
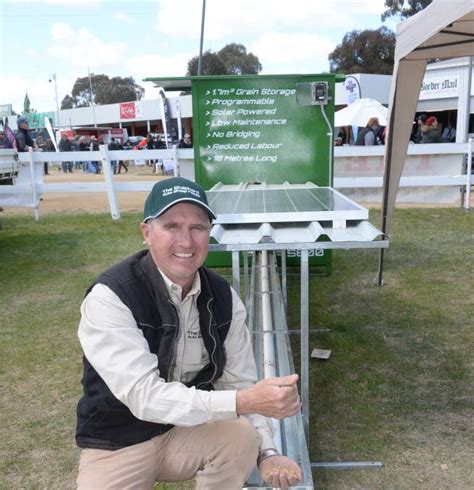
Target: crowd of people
429	130
23	140
425	130
80	143
372	134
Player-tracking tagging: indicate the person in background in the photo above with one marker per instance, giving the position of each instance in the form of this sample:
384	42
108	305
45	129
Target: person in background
449	133
367	135
113	146
94	146
23	139
420	121
158	143
382	135
121	163
150	145
42	144
342	135
170	381
4	141
65	145
186	141
76	147
84	146
430	131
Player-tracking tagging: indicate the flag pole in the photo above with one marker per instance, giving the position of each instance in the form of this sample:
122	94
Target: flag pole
202	37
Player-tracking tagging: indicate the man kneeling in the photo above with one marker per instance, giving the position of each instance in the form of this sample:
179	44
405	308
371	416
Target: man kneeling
170	386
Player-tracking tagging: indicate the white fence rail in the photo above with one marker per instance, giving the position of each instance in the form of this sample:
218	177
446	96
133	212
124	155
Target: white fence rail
433	173
354	170
29	185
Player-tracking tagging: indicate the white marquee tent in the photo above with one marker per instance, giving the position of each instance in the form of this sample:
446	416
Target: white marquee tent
444	29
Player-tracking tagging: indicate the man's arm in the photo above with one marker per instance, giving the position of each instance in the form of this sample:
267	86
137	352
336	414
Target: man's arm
256	400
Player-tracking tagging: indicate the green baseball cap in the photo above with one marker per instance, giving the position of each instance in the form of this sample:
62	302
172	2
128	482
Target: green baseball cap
166	193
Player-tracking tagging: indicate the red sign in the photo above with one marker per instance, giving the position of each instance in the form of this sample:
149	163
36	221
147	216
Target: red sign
127	110
69	132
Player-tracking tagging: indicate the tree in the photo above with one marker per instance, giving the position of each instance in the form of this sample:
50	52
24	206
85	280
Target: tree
369	51
232	59
105	91
238	61
397	8
67	102
211	65
118	89
26	104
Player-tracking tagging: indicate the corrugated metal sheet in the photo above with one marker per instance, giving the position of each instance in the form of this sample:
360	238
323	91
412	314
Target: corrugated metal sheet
361	231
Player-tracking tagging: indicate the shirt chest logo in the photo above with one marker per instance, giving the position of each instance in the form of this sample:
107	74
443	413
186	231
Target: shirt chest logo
193	334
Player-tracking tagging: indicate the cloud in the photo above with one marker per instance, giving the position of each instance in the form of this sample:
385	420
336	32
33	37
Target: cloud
82	49
74	3
277	50
61	31
126	19
253	17
40	91
150	65
65	3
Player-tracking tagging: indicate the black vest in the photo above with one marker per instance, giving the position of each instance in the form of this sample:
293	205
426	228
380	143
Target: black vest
103	422
361	136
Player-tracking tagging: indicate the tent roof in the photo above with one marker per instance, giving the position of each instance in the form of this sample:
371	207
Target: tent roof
444	29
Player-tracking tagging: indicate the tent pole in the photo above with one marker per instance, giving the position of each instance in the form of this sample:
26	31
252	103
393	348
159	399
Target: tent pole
388	164
467	116
380	272
468	99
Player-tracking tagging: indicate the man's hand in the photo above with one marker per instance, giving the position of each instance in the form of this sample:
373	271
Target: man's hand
280	472
272	397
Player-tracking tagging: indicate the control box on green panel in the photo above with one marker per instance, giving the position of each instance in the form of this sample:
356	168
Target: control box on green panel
264	128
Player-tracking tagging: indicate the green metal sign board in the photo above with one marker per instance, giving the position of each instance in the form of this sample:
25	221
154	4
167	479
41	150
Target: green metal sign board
252	128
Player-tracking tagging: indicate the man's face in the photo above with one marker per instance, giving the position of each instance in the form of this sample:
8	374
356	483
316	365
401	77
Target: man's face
178	242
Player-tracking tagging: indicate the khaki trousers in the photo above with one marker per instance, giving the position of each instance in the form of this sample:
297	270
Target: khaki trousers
219	456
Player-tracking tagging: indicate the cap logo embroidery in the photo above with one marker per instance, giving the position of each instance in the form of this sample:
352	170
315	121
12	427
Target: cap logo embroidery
180	189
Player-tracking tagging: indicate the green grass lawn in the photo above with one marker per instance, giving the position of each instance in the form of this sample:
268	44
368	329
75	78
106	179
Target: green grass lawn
397	387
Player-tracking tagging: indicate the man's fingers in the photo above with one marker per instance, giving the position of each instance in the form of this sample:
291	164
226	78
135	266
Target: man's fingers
290	380
284	481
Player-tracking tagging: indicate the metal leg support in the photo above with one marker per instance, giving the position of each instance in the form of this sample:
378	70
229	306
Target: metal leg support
305	341
283	279
236	271
350	465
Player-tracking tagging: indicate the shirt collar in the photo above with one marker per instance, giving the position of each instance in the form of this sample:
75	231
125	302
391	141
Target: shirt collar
175	291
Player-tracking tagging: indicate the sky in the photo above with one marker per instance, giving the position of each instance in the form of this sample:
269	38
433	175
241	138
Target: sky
154	38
